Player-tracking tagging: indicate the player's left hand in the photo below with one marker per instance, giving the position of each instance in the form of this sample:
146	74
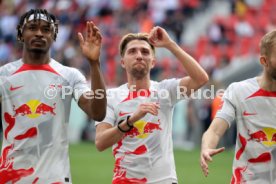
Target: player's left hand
159	37
91	43
206	156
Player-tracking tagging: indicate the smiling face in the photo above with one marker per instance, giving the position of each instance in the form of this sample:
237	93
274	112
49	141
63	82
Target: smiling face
138	59
37	36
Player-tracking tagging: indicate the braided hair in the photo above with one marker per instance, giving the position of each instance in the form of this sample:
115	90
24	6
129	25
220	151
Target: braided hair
36	13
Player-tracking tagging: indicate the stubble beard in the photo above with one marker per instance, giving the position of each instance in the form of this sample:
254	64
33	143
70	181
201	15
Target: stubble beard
37	51
139	74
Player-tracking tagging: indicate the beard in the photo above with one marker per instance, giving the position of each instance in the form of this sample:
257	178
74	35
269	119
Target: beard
38	50
139	73
273	75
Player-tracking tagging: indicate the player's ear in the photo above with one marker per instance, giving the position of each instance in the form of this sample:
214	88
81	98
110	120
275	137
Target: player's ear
263	61
123	63
20	35
153	63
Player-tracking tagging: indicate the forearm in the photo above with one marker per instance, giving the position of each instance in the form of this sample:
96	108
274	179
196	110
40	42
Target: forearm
191	66
108	138
98	102
210	140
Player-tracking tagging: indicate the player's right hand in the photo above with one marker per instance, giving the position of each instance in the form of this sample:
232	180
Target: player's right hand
143	109
206	156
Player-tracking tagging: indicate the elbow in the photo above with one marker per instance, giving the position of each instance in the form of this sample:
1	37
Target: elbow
97	116
203	80
100	147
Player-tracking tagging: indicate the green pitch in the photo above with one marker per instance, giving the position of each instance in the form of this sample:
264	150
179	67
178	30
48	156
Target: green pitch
89	166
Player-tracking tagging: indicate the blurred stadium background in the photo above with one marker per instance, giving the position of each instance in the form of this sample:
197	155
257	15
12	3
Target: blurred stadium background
223	35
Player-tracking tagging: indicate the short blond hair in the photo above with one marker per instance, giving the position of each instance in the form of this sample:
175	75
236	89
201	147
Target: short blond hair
267	43
133	36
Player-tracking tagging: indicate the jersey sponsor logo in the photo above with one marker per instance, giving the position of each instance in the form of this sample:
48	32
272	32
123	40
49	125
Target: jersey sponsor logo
266	136
12	88
245	113
141	129
34	108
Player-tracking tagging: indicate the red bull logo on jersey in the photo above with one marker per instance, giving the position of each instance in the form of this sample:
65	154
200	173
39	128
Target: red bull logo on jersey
266	136
141	129
33	109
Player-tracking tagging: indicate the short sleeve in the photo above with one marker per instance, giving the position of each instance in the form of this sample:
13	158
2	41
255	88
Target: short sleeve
80	84
110	113
172	87
228	109
3	79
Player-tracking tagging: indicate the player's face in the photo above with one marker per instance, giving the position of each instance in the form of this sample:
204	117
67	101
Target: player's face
138	59
38	36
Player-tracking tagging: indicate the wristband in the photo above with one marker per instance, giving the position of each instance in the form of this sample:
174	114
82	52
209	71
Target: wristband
129	125
124	131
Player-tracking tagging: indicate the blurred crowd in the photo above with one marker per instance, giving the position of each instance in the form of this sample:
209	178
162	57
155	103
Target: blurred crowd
228	40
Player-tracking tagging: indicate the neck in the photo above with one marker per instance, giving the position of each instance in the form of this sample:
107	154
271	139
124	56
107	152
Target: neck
136	85
35	58
266	82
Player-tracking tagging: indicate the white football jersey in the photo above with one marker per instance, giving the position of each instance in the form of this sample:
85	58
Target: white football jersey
145	154
254	111
36	103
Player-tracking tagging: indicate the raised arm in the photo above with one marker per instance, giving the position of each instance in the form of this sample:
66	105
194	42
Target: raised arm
93	103
197	77
210	140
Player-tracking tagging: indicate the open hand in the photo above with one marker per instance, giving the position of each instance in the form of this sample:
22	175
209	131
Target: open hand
91	43
206	156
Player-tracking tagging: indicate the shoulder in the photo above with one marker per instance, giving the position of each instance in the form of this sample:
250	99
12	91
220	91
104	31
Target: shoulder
64	70
243	88
248	83
116	90
166	83
117	94
10	68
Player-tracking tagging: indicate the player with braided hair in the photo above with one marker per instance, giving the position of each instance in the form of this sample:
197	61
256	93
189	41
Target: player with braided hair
37	14
36	102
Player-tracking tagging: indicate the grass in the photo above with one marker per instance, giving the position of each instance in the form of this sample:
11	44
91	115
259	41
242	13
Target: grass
89	166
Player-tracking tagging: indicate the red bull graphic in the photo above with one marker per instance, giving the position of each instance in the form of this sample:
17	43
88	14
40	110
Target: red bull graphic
7	173
273	138
264	157
266	136
35	180
237	177
33	109
28	134
242	148
120	172
141	129
10	121
22	110
44	108
138	151
258	136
